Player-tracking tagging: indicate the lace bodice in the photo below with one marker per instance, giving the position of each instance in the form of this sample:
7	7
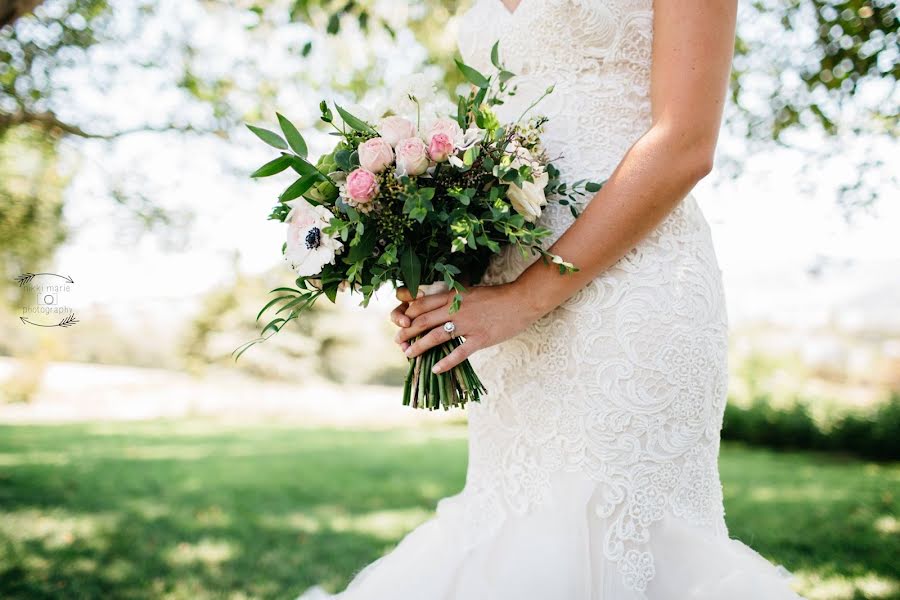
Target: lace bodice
596	53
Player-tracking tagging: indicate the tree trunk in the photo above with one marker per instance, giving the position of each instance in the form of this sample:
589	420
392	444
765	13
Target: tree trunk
10	10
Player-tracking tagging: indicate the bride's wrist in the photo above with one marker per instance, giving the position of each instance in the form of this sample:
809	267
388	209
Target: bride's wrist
531	296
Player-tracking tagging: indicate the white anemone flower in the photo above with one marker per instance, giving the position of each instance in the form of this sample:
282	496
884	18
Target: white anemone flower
309	248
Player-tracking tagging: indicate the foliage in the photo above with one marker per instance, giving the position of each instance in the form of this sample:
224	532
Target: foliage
31	205
224	319
197	510
335	343
874	434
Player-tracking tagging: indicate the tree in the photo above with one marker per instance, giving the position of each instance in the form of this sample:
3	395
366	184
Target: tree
828	67
822	67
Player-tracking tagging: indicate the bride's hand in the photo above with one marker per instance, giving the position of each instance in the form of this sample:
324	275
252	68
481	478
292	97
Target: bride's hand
488	315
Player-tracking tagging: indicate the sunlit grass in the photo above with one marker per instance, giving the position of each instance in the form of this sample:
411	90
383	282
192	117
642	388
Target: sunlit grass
198	509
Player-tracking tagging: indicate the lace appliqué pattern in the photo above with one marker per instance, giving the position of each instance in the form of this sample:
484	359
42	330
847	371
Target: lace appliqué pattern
624	383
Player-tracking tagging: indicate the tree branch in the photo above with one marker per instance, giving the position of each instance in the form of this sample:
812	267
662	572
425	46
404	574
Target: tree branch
11	10
49	121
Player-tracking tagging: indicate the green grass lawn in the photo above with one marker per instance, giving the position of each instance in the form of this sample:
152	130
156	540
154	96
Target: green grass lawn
194	510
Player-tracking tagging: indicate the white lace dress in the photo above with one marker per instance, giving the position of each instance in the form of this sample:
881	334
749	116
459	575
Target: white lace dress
593	459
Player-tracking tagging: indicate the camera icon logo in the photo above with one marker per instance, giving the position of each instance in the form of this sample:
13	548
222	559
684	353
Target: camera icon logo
47	299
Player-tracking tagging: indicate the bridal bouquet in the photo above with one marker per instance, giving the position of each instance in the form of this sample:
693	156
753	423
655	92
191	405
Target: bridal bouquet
414	202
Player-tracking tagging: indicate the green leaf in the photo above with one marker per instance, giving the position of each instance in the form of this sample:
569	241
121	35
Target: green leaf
411	268
304	167
331	291
273	167
269	137
364	245
273	325
298	188
593	187
354	122
271	303
470	155
495	55
327	115
472	75
342	160
334	24
294	139
462	113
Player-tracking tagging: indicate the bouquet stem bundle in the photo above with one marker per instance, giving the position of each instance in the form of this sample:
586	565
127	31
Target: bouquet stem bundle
456	387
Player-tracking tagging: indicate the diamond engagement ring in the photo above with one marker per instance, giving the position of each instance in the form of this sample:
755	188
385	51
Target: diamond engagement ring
450	328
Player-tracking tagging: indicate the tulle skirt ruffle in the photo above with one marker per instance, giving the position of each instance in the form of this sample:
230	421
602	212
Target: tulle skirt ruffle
555	552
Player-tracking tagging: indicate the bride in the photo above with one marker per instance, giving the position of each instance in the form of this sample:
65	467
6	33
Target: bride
593	458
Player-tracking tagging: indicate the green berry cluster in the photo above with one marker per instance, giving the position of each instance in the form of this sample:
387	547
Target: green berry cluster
393	223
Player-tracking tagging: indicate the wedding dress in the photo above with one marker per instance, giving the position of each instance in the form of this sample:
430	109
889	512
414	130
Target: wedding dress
593	458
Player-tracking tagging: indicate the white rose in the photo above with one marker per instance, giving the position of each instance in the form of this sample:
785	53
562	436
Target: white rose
376	155
448	127
412	157
393	129
528	199
308	247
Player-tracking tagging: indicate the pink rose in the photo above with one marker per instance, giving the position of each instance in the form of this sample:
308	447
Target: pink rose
375	155
394	129
362	186
448	127
412	157
441	147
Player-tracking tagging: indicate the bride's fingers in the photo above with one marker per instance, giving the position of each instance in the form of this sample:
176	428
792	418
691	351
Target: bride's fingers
425	304
435	337
403	294
398	317
459	354
421	324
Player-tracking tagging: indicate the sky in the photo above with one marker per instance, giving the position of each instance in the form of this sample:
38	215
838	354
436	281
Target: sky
787	254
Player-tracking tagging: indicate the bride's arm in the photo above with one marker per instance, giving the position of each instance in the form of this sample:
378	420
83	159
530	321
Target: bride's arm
693	43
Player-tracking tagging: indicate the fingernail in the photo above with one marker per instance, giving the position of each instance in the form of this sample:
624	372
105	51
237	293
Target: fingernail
436	369
408	351
405	322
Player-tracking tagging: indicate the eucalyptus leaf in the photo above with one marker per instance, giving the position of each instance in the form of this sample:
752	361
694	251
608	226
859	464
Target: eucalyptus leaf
472	75
304	167
273	167
495	55
411	268
354	122
294	139
298	188
269	137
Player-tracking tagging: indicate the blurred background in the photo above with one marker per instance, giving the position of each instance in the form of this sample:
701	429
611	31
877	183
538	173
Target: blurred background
138	460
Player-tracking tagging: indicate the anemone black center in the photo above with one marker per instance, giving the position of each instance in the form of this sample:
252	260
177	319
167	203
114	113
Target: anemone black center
313	238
